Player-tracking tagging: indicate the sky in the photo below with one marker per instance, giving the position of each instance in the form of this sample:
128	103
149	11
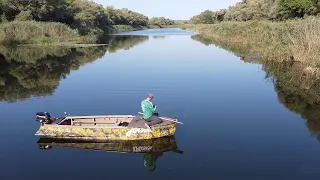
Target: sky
173	9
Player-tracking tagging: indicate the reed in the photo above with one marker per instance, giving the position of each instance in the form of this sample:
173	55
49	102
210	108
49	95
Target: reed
54	33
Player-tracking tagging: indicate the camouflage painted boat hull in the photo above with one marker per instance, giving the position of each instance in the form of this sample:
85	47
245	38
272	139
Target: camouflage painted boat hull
95	133
103	127
158	145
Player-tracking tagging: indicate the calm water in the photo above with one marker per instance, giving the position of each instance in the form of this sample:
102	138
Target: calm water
235	127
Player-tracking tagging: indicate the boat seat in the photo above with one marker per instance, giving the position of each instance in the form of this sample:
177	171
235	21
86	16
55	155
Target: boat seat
139	122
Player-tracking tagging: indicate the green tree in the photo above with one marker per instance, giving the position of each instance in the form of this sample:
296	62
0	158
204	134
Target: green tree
161	21
114	15
87	15
204	17
299	8
247	10
41	10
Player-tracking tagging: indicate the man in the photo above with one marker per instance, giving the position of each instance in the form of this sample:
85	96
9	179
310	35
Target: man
148	110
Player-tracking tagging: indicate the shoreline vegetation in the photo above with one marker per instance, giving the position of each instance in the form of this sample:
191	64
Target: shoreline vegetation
275	30
281	35
68	21
292	40
53	33
297	89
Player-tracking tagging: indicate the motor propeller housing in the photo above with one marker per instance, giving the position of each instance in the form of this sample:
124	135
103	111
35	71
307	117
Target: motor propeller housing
43	117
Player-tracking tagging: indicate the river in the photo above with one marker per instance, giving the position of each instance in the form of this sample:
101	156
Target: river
236	125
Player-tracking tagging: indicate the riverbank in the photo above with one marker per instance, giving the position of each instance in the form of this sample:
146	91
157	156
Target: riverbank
54	33
297	85
292	40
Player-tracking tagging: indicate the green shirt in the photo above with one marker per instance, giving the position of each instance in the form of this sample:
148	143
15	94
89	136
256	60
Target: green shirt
147	108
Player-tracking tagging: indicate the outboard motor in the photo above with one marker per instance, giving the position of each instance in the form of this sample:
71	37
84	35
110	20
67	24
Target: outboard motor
44	117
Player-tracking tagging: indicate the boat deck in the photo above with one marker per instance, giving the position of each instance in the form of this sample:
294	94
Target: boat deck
139	122
133	122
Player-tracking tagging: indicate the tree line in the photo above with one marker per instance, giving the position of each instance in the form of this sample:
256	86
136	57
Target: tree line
246	10
84	15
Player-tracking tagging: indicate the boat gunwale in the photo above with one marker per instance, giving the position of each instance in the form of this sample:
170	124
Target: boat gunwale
98	116
101	126
84	126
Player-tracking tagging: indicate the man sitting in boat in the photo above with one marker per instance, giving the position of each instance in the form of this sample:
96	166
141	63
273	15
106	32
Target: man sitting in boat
148	110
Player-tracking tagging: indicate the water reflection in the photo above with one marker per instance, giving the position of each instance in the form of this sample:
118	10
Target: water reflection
36	71
242	51
297	86
151	149
124	42
158	37
298	89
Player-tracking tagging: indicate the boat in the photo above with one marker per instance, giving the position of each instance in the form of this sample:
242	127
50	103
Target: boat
103	127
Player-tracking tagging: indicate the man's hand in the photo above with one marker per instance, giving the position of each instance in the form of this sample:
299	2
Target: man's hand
155	106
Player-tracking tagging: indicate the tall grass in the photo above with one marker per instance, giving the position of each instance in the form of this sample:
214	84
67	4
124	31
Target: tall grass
297	39
34	32
31	32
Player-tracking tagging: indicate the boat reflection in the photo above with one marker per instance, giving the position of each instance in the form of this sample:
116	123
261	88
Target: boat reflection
151	148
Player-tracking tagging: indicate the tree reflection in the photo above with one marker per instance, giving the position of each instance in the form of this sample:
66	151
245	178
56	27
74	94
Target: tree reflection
297	86
28	71
124	42
243	51
298	90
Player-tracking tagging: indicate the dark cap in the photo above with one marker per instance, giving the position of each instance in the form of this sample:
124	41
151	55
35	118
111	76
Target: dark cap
150	95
